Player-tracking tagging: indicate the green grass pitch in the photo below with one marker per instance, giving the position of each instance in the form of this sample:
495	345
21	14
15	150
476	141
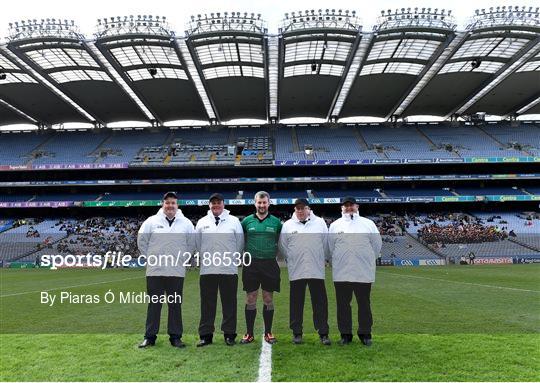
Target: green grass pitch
478	323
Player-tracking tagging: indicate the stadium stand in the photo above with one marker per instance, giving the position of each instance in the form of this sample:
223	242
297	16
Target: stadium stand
27	236
454	230
260	145
517	235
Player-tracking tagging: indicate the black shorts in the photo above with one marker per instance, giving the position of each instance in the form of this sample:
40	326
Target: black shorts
262	273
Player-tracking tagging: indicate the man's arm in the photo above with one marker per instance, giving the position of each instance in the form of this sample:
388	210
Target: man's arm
283	242
375	239
326	248
239	236
143	236
198	235
331	240
191	241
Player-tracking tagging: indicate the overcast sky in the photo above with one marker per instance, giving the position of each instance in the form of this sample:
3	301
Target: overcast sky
85	13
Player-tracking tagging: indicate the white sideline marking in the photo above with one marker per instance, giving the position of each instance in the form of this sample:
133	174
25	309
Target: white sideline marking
68	287
265	363
461	282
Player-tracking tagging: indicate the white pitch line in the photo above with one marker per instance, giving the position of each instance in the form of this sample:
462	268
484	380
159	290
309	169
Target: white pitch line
68	287
265	363
461	282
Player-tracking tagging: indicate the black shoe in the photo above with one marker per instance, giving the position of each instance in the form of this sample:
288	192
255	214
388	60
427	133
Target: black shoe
230	341
248	338
147	343
345	339
365	339
325	340
204	342
177	343
297	339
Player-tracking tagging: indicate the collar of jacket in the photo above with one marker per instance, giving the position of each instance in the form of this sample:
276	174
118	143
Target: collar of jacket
347	216
222	216
310	217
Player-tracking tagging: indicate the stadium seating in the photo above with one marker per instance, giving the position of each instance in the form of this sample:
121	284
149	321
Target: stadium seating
401	142
15	243
122	146
526	135
527	231
69	148
405	247
146	147
502	248
15	148
466	141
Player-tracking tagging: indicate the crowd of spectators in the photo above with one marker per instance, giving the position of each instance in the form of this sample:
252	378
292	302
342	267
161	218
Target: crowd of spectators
461	229
100	234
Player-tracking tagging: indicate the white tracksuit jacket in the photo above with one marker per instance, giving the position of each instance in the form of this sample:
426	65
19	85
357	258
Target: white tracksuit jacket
221	241
158	239
305	247
354	243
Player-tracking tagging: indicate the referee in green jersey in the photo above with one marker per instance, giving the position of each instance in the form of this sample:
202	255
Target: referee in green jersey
261	231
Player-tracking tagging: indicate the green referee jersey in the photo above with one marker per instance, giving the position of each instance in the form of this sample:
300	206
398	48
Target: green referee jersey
261	236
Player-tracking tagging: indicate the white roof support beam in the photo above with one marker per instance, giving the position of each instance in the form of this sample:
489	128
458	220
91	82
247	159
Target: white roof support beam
120	81
18	111
524	109
195	75
352	73
273	76
430	71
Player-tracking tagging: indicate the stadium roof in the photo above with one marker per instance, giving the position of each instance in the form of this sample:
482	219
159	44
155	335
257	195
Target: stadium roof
226	66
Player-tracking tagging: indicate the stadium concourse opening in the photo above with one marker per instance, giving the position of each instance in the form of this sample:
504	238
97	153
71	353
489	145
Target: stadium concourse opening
99	134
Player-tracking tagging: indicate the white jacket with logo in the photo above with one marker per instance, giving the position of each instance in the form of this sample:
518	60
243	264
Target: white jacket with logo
220	243
355	243
305	247
167	245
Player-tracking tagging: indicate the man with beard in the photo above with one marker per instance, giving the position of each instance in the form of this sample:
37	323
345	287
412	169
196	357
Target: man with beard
261	231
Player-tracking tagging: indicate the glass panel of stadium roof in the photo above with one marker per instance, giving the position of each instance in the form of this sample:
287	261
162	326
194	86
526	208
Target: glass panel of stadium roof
317	47
405	43
496	39
144	52
229	52
57	51
22	91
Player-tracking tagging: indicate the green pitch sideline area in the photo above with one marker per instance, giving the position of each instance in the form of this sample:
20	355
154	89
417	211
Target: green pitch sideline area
431	323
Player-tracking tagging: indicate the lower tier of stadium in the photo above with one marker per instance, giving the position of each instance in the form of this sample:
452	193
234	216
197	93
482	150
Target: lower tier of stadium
441	237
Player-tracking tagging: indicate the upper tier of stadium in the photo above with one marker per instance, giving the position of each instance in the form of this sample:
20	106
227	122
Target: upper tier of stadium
338	144
226	66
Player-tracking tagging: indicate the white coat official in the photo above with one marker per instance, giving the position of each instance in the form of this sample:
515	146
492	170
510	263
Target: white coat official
355	244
